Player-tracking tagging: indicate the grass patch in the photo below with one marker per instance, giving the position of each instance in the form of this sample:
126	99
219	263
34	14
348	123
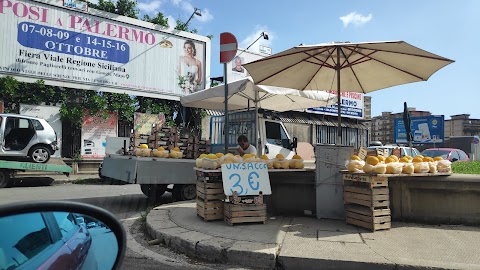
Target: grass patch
470	167
88	181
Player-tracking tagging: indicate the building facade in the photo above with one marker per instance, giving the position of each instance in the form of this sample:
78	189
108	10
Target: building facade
382	128
461	125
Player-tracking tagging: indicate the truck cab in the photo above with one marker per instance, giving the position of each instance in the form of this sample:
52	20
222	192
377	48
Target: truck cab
272	136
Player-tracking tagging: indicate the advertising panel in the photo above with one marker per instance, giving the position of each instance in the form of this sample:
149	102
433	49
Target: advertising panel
144	122
72	48
425	129
51	114
95	130
351	106
235	70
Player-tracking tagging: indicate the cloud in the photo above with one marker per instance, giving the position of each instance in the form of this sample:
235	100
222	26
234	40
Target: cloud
172	22
150	7
355	19
254	35
189	8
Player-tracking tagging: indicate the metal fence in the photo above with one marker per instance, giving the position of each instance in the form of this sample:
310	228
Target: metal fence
240	123
355	137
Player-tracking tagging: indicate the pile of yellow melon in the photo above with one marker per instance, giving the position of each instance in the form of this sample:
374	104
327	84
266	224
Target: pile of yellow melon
176	153
160	152
394	165
143	151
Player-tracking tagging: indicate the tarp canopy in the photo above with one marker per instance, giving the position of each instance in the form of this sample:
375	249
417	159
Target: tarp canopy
242	91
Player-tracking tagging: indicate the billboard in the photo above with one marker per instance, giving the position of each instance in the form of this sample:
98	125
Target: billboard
99	51
425	129
351	106
51	114
235	70
95	130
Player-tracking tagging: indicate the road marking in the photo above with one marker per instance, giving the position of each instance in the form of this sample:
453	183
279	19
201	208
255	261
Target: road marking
132	218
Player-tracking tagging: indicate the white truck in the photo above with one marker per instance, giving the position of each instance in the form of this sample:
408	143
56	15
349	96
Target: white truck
155	175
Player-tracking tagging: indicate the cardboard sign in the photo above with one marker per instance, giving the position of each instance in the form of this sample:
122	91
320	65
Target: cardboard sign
246	179
362	153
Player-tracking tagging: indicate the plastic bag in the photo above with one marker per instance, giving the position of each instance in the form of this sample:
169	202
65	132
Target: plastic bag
368	168
444	166
420	167
176	154
380	168
355	165
296	164
143	152
432	167
408	168
211	164
162	154
394	168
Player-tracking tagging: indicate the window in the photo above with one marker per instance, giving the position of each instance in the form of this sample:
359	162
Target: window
454	156
462	155
66	223
37	125
21	243
276	134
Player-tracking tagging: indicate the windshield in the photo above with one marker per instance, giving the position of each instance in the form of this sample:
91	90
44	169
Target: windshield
436	153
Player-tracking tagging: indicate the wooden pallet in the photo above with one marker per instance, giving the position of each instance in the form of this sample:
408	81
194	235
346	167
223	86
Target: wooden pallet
244	213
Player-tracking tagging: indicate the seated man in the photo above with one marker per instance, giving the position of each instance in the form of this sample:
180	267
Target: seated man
244	147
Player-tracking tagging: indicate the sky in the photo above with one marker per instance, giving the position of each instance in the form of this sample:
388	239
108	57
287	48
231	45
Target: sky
446	28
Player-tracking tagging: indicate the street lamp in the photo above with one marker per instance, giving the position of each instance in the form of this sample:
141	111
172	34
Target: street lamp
263	34
197	12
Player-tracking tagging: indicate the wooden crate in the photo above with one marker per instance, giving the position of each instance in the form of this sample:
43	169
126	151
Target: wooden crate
373	219
367	201
244	213
210	195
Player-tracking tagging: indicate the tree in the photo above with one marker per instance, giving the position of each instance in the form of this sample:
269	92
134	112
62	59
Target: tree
159	19
121	7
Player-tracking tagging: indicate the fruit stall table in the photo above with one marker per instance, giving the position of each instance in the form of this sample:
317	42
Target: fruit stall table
293	191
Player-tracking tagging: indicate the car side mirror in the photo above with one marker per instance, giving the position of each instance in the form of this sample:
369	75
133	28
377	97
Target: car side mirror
34	234
294	143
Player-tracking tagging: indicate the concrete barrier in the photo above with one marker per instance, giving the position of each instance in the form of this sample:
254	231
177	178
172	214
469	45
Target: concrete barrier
453	199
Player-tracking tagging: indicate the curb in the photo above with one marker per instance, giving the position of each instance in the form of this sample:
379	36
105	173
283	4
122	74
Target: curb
207	247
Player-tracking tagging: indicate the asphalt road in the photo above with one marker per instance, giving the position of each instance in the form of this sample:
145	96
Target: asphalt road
126	202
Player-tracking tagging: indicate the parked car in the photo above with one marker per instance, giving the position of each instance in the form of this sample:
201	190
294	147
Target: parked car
43	240
405	151
27	136
451	154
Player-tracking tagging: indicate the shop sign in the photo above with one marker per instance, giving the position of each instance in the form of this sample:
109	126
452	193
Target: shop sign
246	179
95	130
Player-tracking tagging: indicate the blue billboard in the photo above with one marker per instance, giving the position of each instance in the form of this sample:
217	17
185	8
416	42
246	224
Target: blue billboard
425	129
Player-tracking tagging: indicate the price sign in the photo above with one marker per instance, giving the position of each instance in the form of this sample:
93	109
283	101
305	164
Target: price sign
246	178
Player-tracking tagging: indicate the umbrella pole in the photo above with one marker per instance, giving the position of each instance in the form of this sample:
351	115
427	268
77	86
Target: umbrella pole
256	122
339	129
226	129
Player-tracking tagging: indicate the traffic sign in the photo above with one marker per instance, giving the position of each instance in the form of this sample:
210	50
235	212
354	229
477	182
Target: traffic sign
228	47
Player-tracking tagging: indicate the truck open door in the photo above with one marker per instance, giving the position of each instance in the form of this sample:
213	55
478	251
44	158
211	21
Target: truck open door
275	139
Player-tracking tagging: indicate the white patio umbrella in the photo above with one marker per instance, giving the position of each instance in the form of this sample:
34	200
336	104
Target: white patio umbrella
244	91
353	67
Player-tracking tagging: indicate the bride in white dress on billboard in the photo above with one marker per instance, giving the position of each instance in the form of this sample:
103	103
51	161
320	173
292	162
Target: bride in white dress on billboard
189	68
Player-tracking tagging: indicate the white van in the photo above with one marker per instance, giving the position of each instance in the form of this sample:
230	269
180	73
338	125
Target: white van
405	151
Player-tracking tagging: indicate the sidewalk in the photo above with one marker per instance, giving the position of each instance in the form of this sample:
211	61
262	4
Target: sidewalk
309	243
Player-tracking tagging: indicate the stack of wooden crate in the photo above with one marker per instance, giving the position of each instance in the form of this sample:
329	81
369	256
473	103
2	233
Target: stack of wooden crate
248	209
165	137
196	146
367	202
210	195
